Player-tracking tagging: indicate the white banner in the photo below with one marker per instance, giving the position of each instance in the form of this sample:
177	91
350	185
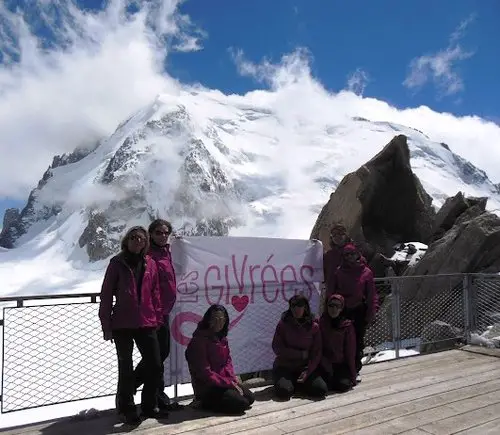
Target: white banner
253	278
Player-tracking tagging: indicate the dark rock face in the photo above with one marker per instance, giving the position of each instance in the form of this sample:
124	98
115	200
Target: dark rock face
9	233
453	209
381	203
17	224
105	228
95	237
471	245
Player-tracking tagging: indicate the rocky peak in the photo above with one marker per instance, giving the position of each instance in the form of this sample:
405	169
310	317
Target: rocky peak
200	203
17	224
382	203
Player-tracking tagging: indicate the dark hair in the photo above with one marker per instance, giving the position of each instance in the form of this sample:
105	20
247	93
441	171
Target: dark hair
159	223
124	244
308	316
205	321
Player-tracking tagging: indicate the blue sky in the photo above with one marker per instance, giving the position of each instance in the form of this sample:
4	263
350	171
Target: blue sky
379	37
409	53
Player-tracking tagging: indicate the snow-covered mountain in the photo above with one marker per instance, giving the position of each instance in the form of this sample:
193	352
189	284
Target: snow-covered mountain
212	164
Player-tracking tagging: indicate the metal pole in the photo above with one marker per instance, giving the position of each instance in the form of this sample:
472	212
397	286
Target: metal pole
396	318
467	308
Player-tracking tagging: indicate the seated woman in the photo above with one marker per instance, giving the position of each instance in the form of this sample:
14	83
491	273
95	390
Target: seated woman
211	368
338	363
297	345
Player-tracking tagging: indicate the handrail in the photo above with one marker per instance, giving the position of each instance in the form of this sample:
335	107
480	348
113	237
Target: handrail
51	296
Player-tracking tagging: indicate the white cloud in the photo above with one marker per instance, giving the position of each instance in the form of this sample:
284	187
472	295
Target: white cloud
291	68
92	70
441	67
300	98
357	81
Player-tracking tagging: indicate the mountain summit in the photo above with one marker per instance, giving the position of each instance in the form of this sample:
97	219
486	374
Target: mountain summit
214	165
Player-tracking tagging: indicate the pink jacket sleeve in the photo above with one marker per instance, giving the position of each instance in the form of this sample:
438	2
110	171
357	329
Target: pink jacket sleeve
155	292
371	298
316	351
106	298
200	365
280	348
350	351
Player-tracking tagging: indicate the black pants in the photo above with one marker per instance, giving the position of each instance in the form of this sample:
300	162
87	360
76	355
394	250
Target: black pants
163	334
358	315
147	342
285	383
339	380
227	400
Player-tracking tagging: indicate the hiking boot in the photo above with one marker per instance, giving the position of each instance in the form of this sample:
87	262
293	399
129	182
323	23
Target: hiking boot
131	418
155	413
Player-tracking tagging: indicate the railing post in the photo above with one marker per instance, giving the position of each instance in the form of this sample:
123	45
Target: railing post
470	304
396	320
467	311
174	362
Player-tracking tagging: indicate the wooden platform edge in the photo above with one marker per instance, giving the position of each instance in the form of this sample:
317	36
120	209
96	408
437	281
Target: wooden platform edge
494	352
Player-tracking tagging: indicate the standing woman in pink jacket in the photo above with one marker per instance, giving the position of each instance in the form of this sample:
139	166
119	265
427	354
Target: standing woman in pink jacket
354	281
212	373
132	278
159	250
297	345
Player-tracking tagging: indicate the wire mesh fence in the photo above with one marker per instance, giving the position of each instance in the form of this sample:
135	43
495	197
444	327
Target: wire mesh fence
424	314
485	310
54	352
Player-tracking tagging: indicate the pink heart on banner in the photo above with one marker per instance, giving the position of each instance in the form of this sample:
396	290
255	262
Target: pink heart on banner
239	302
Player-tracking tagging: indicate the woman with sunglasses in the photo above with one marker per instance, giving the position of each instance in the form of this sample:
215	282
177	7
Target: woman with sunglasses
354	281
132	278
214	382
297	345
159	231
338	336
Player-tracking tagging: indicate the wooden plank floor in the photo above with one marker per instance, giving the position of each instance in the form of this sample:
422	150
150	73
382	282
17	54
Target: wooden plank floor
453	392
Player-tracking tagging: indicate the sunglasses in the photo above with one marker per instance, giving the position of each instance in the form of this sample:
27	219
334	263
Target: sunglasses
162	233
334	305
298	304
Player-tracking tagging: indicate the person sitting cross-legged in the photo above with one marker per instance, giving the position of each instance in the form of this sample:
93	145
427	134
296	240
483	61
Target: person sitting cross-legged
297	345
215	385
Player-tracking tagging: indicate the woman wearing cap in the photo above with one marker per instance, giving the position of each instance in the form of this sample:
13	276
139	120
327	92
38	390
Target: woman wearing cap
297	345
353	280
132	278
212	373
159	231
338	336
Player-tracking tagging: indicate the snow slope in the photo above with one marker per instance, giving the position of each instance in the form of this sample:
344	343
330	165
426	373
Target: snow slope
213	164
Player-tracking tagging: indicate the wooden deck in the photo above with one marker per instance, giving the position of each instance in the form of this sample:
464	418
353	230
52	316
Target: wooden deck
454	392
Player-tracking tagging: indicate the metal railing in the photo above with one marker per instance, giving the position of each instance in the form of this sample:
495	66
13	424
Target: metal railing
53	350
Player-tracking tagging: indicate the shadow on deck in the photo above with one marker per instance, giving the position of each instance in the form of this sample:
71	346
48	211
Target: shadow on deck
451	392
